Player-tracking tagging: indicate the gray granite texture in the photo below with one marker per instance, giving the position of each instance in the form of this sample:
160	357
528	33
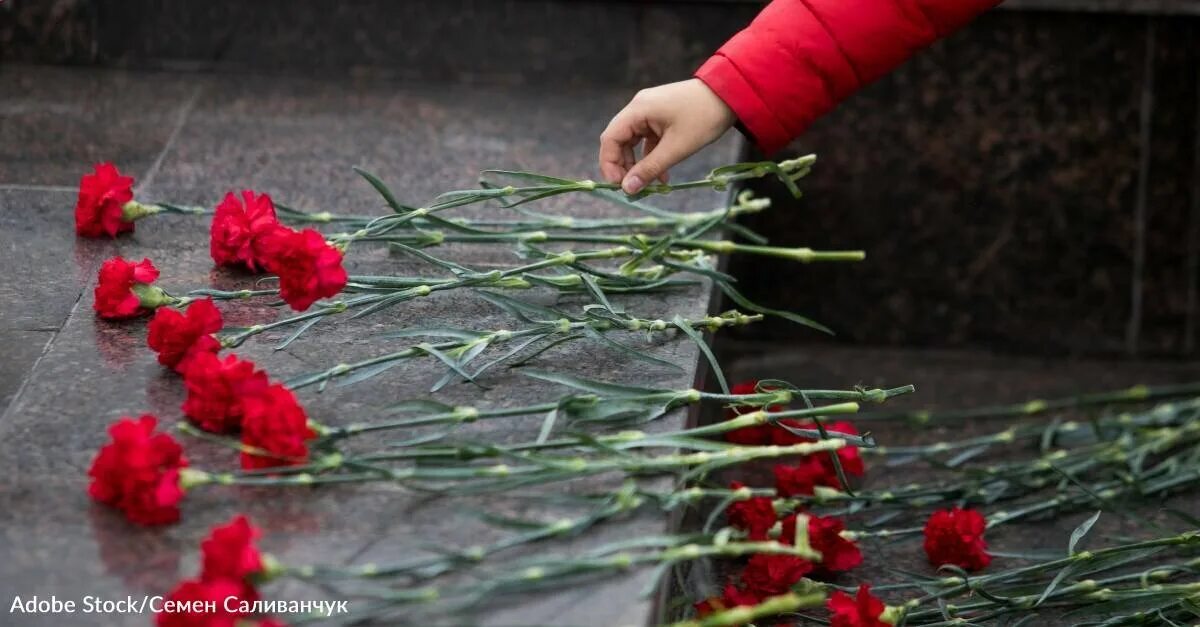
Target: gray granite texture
65	375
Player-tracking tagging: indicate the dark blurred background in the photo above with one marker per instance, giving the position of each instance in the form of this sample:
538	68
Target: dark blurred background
1030	185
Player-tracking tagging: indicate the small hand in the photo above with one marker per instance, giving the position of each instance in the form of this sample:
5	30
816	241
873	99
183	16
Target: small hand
675	120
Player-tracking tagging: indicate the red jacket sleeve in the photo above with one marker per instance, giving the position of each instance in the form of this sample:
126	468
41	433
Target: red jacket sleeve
799	58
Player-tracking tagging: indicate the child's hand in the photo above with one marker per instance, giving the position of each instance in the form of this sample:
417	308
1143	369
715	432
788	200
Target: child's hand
676	120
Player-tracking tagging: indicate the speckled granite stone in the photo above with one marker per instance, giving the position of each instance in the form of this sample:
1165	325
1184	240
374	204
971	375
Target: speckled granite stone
295	139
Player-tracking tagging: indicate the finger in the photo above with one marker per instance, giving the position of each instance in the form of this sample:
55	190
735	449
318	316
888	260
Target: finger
671	149
613	164
651	143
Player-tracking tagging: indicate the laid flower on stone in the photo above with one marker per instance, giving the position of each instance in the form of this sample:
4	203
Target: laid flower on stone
753	435
100	208
309	268
229	553
825	536
275	424
955	536
179	337
769	575
126	289
238	226
861	610
755	515
138	472
217	389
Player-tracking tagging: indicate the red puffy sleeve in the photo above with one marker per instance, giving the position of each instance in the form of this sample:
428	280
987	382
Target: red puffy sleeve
799	58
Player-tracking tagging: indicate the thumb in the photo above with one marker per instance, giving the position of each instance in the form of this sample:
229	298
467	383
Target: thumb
670	150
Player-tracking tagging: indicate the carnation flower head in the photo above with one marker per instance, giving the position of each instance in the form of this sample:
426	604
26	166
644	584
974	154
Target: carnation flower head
955	536
99	209
217	390
138	472
179	337
238	223
125	289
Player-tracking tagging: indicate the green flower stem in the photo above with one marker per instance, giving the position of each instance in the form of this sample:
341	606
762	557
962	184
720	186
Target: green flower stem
1167	414
744	205
624	440
956	586
554	571
638	241
771	606
542	468
201	294
134	210
382	290
668	399
787	172
624	501
1024	478
1081	593
562	327
1135	394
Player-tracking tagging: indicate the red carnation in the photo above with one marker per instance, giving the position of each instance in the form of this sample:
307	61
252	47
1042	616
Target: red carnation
217	389
802	478
753	435
851	461
125	290
189	604
237	224
825	536
768	575
955	536
863	611
308	267
755	515
178	337
99	211
138	472
229	552
275	423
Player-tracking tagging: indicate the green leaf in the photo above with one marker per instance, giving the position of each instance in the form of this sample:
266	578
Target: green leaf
295	334
1081	531
632	352
687	329
541	349
383	191
452	363
547	425
598	294
367	373
519	347
1058	578
523	310
744	302
591	385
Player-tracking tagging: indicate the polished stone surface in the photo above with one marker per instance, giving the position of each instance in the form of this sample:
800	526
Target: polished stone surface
189	138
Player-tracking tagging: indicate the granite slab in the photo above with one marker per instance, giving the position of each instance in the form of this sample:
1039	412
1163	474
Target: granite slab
295	139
